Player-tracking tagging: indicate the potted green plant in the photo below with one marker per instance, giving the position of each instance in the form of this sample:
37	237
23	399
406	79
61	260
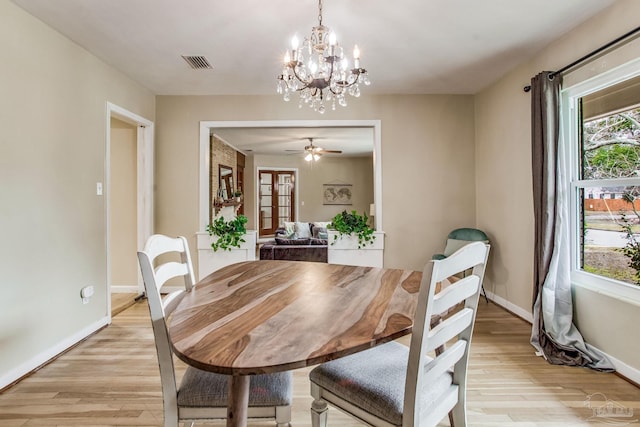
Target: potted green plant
238	195
347	224
229	233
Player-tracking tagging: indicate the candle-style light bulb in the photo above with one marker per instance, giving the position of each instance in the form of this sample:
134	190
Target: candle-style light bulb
287	58
332	44
294	48
356	57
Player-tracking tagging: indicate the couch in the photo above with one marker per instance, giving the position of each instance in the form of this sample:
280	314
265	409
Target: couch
299	241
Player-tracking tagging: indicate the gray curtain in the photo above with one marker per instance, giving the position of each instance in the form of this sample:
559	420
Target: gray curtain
553	333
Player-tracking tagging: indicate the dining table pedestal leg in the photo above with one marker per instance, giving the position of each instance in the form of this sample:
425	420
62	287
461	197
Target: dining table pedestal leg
238	401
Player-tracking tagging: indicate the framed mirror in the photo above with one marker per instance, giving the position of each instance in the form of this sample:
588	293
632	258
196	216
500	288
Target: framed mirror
226	181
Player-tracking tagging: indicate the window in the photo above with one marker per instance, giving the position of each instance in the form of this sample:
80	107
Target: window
602	141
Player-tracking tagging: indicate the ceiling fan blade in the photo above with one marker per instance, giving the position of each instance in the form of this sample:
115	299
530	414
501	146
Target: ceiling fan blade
331	151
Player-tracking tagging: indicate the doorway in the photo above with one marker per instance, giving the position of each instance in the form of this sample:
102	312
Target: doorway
129	202
276	198
122	210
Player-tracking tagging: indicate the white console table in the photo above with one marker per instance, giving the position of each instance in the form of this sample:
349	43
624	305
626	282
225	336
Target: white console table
345	251
210	261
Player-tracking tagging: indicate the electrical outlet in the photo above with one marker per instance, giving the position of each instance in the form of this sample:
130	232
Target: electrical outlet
86	293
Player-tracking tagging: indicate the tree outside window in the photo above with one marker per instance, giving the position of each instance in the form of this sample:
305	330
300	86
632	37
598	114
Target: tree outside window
610	219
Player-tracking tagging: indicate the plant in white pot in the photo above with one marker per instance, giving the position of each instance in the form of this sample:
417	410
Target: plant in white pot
229	234
352	224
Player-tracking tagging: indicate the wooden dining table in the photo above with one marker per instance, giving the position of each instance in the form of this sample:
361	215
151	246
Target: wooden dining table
259	317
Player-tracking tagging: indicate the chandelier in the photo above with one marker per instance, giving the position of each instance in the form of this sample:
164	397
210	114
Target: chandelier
319	70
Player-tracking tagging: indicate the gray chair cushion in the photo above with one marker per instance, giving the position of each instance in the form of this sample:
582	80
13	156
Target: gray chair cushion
469	234
207	389
374	381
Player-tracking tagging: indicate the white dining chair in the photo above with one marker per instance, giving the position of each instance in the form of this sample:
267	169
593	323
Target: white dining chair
202	396
396	385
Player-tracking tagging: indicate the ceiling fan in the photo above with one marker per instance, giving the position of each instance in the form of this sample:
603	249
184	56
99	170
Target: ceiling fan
313	152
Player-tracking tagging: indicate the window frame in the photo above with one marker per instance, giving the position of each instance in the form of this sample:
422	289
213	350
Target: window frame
569	141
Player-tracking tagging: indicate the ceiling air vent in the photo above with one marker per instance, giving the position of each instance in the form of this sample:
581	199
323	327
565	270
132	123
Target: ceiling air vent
197	62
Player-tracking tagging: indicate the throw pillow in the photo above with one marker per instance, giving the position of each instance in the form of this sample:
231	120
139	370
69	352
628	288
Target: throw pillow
291	242
320	232
289	228
322	224
302	230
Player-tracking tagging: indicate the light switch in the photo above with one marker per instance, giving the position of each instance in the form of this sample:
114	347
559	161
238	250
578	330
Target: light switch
98	189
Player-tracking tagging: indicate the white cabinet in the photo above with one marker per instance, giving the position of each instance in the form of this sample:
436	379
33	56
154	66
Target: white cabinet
345	250
210	261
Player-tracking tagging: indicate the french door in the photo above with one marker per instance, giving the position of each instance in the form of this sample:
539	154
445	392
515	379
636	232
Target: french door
277	199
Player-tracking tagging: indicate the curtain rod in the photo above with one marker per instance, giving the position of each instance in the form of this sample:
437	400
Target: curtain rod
591	54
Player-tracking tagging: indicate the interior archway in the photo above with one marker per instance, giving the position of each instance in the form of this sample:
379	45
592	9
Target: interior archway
209	127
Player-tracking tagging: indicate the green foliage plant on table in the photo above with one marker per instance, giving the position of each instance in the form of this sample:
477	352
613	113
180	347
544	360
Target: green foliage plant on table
632	248
229	233
351	223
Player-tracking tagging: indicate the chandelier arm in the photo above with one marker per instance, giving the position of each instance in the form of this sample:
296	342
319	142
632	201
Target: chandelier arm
295	74
345	84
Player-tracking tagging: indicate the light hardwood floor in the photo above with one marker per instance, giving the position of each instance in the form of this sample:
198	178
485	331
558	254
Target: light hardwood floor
112	379
121	301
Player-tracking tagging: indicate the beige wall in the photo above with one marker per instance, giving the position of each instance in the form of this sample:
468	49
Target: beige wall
52	153
123	203
357	171
503	182
427	162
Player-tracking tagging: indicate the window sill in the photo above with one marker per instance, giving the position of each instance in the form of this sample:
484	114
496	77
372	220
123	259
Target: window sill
620	291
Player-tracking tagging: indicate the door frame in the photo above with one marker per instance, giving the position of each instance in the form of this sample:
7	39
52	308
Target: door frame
296	208
207	126
144	186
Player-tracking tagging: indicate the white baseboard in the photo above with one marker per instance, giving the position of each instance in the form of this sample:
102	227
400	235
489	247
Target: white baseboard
629	372
518	311
626	371
125	289
44	357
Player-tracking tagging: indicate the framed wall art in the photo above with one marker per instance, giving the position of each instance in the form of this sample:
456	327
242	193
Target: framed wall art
337	194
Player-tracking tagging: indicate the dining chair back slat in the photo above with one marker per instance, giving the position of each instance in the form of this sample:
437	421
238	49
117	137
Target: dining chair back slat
453	295
448	329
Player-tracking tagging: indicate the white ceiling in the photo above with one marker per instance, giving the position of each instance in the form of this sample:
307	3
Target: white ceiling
408	46
353	141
